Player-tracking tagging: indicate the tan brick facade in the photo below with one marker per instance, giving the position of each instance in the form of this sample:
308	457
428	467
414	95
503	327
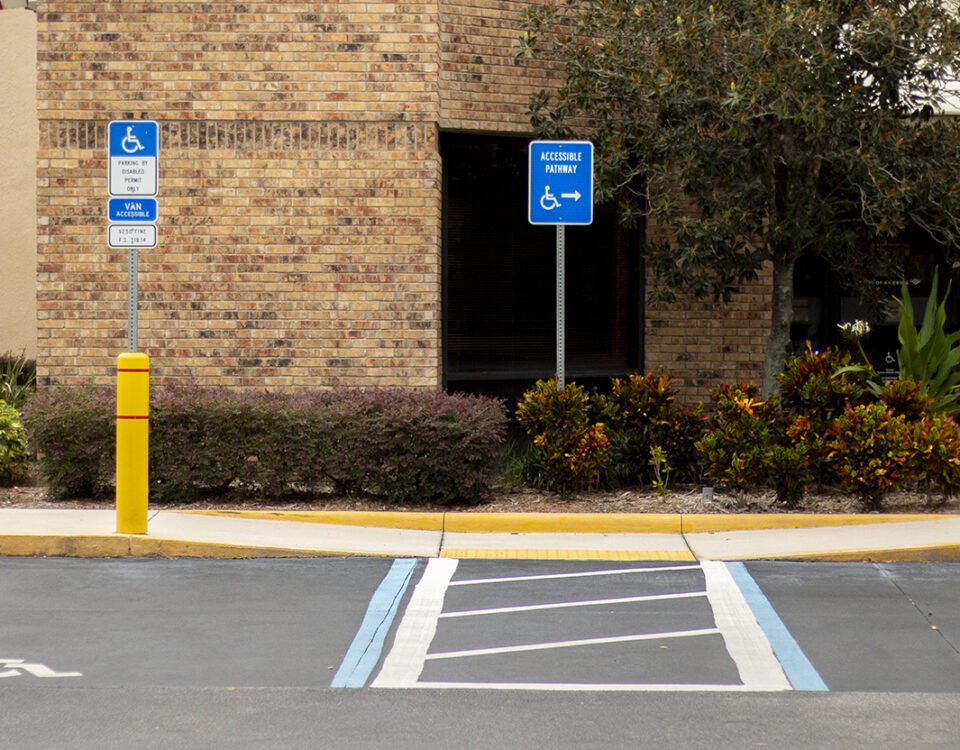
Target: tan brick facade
300	190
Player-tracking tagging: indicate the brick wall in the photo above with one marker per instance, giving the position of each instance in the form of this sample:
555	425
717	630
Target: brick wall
703	344
482	86
299	192
300	196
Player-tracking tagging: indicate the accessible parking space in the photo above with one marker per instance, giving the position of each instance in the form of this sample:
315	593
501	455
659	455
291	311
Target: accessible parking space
138	622
585	626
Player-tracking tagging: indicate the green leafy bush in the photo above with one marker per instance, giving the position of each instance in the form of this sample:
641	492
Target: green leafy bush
747	445
821	384
571	446
930	356
14	458
648	431
935	465
409	446
871	451
906	397
18	376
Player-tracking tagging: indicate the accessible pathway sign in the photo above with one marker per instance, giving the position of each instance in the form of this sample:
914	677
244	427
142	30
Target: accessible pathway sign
561	182
560	192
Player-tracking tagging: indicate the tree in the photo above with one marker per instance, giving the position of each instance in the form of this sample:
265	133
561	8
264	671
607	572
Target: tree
789	128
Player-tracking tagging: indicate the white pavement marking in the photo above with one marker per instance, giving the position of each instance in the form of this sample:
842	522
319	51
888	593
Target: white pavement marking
572	644
590	687
37	670
563	605
404	663
585	574
745	640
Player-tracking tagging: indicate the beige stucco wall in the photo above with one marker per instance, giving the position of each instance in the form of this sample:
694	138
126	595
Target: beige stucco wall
18	203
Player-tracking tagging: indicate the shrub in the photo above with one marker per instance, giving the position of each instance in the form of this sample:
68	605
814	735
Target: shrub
73	431
224	443
737	444
820	385
906	397
747	445
406	445
648	431
870	451
935	443
571	446
413	446
14	459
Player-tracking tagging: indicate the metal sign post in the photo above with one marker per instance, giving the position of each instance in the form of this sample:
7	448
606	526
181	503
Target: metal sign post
560	193
133	181
132	297
561	325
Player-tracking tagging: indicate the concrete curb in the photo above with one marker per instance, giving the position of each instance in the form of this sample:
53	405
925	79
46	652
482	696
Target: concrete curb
588	536
128	545
595	523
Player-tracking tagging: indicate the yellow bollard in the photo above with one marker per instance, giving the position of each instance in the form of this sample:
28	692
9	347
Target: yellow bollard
133	429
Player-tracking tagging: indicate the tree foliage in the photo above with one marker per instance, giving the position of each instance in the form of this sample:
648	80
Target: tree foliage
761	130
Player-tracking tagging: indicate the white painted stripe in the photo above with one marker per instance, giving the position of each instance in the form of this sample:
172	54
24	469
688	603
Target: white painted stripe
563	605
404	663
572	644
745	640
585	688
548	576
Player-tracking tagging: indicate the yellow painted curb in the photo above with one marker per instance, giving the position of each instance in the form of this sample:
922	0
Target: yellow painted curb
567	554
596	523
122	545
706	522
379	519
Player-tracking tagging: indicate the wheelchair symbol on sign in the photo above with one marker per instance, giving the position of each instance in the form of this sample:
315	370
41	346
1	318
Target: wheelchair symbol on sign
130	143
548	201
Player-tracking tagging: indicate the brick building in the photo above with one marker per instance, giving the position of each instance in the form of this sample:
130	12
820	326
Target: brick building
342	202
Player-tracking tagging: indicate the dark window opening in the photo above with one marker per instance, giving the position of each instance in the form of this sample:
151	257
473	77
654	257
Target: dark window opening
500	279
822	301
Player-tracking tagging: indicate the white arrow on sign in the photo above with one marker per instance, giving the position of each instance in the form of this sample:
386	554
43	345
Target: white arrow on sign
575	195
37	670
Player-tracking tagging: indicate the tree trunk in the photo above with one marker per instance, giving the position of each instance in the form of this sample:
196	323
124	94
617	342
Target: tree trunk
781	318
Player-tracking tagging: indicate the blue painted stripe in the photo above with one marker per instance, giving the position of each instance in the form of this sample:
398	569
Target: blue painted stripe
364	652
796	665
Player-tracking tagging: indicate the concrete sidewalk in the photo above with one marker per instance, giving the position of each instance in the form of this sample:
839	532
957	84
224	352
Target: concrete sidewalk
587	536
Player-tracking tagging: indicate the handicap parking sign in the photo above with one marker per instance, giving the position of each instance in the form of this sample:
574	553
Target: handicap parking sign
561	182
133	147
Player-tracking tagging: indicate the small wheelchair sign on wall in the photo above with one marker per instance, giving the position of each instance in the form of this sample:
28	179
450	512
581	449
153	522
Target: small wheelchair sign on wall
561	182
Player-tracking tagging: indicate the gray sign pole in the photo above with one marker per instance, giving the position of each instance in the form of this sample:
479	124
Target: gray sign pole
560	192
132	262
133	182
561	343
